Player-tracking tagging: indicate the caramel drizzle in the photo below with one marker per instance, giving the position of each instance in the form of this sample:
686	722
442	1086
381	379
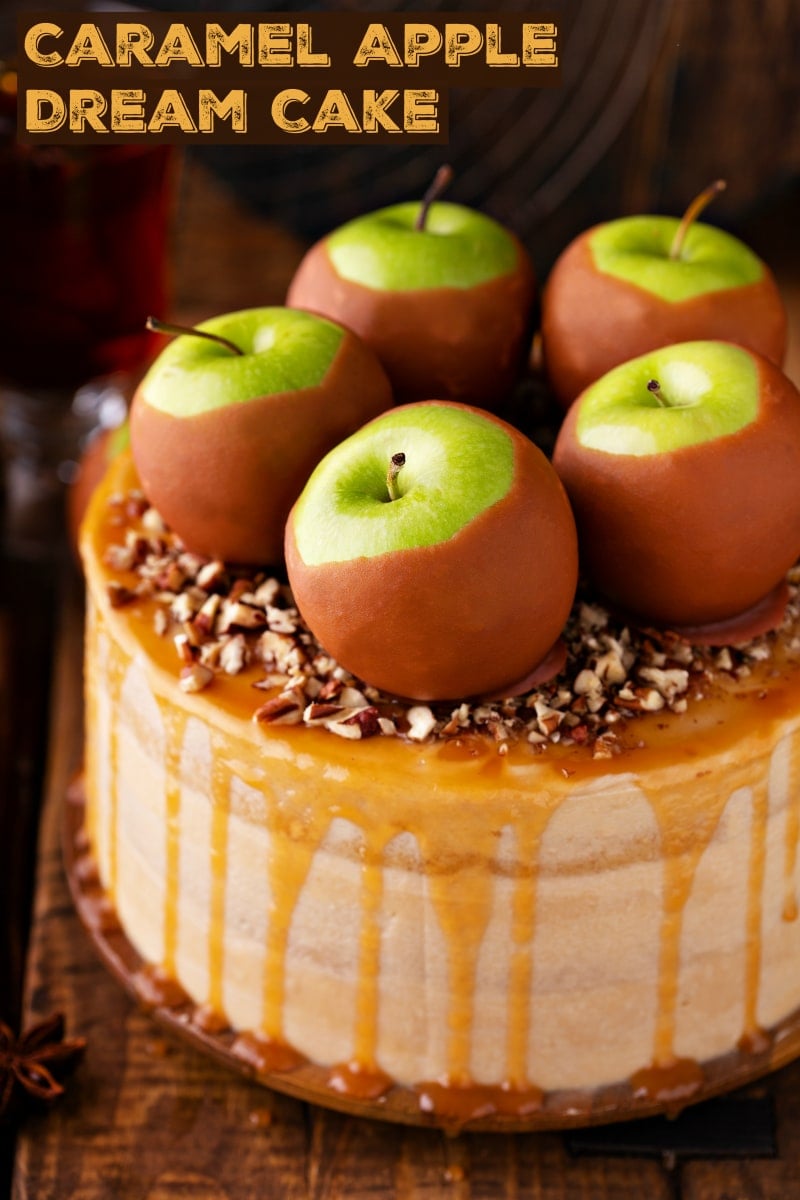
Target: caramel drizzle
520	977
156	989
90	750
363	1083
367	996
287	876
679	873
680	868
755	890
457	1106
523	929
463	905
115	680
790	908
220	813
174	723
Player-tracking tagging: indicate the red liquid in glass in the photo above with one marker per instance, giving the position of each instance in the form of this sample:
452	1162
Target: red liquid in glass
83	257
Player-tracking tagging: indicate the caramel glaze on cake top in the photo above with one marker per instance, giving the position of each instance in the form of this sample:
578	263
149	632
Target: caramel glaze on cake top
482	784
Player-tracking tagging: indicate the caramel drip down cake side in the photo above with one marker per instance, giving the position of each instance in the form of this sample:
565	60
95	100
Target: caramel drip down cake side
477	921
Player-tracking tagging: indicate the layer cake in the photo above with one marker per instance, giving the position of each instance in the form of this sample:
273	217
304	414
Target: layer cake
491	907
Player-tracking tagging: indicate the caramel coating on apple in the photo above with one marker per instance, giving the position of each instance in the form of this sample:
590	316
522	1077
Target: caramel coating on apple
695	535
225	480
465	344
592	322
468	616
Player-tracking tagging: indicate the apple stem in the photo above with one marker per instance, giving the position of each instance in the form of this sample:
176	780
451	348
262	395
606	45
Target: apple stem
158	326
654	388
441	182
396	464
692	213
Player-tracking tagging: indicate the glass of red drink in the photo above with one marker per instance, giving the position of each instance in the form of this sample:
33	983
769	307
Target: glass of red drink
83	264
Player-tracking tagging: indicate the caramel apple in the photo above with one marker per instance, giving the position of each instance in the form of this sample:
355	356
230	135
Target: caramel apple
683	468
227	426
434	554
632	285
441	293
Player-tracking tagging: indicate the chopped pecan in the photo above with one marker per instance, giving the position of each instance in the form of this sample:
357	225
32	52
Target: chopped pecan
120	558
318	713
212	575
280	710
195	677
233	656
119	595
152	521
207	614
367	719
237	615
183	649
281	620
267	593
421	722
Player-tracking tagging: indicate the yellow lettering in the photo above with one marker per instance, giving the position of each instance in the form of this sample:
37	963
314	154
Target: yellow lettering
375	114
420	110
178	46
305	53
86	107
32	38
89	46
240	38
275	45
134	39
279	106
335	110
461	39
233	106
494	53
421	38
539	45
127	110
377	46
37	119
171	110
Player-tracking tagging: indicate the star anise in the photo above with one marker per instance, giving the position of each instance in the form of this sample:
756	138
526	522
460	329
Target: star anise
34	1061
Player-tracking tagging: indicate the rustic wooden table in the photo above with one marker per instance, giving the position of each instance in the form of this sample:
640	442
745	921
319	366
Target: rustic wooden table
146	1117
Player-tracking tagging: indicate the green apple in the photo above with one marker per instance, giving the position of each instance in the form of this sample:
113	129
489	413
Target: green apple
638	283
442	293
458	248
230	420
433	553
683	468
706	391
637	249
279	350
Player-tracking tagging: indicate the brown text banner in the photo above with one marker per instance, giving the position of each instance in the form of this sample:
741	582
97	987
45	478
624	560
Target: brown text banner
267	77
